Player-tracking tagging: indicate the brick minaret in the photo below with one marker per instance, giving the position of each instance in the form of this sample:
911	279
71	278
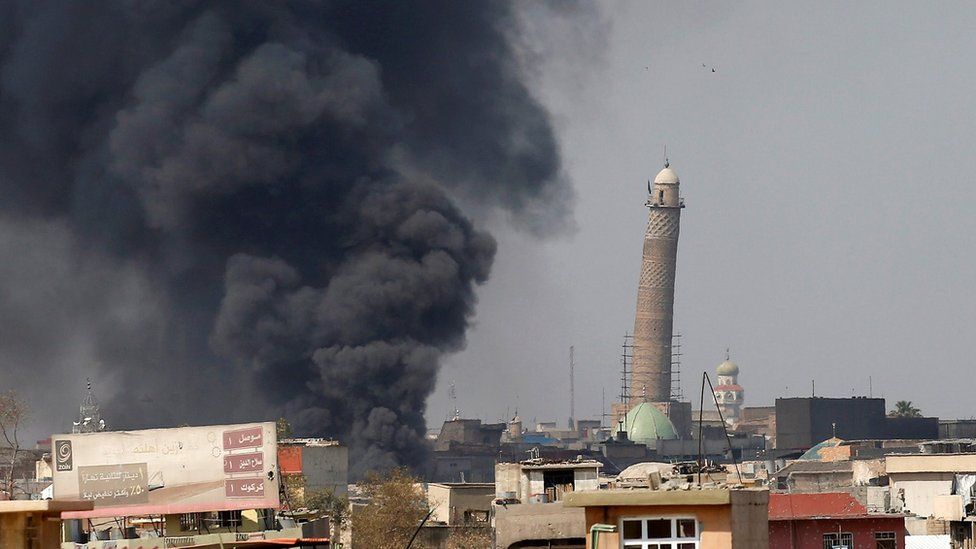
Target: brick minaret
651	370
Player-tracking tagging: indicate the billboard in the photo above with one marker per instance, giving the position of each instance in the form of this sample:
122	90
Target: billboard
167	471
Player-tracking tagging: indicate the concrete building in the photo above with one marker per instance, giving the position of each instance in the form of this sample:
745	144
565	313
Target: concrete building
34	524
468	432
815	521
537	481
548	525
711	518
456	504
803	422
322	463
728	393
928	486
465	451
957	428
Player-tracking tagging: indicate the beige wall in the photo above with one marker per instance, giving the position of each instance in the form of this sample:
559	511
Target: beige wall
750	516
931	463
920	490
507	479
15	533
543	521
450	502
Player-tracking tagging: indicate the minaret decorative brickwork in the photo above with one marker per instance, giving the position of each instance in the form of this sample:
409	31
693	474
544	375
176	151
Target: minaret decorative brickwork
651	369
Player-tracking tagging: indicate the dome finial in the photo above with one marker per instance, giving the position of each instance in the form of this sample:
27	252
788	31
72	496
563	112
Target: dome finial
727	354
666	163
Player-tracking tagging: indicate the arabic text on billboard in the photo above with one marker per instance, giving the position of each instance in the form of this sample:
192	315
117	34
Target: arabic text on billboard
162	471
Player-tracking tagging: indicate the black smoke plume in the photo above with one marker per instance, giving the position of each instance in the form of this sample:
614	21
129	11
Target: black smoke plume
238	210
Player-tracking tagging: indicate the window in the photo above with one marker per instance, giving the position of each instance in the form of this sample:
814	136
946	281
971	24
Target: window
660	533
189	521
228	519
840	540
885	540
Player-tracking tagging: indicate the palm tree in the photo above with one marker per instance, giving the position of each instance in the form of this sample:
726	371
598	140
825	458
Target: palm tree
904	408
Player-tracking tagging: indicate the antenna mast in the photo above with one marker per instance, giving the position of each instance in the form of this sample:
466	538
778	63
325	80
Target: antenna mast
452	395
572	387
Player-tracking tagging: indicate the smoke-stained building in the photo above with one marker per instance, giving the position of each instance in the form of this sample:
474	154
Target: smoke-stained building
803	422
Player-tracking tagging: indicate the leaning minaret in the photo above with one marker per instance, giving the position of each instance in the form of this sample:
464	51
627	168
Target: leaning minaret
651	369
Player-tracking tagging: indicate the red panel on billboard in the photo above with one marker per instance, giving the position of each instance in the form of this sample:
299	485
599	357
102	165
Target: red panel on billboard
243	438
244	488
244	463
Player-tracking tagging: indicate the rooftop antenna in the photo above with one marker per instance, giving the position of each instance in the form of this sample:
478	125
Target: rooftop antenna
452	395
603	405
572	387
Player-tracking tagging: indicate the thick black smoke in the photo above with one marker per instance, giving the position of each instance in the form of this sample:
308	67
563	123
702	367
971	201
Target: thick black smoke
243	209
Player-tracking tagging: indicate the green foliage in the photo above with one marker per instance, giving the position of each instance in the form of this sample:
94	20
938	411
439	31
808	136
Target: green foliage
395	510
283	428
904	408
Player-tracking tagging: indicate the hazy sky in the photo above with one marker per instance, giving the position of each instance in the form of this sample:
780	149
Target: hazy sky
826	167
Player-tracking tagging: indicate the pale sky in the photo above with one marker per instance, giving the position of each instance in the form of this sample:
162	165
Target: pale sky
827	236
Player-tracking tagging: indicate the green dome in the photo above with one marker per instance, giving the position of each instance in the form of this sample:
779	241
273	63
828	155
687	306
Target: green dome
646	424
727	368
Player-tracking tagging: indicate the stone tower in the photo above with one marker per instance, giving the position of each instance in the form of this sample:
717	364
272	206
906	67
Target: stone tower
651	369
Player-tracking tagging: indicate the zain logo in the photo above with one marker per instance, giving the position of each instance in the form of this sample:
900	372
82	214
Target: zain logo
62	452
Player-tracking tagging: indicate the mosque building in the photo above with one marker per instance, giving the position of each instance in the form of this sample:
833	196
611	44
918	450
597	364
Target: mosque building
728	393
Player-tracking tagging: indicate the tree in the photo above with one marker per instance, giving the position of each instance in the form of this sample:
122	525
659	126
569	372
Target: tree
336	507
395	510
13	414
283	428
904	408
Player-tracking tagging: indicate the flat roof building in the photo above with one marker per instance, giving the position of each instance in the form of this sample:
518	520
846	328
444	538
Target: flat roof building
32	524
703	518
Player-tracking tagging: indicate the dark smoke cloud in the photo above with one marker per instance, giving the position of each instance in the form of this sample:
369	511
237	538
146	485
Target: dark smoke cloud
234	210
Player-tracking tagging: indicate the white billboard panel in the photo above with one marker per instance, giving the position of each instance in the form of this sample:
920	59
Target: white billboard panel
166	471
